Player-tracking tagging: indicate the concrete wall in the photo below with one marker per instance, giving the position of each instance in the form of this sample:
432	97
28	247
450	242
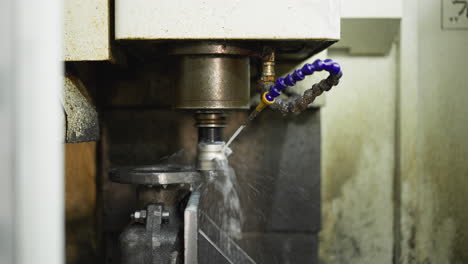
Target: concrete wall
395	149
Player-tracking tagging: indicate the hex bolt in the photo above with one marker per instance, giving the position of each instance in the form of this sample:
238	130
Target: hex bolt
165	215
138	215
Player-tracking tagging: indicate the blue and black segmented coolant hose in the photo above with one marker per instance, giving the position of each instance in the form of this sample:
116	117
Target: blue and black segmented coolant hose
300	103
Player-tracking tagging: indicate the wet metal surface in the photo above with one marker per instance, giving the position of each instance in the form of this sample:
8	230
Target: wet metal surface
276	159
154	175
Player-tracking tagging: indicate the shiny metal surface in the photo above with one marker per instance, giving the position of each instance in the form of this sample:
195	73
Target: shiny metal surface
216	246
210	119
211	48
213	82
154	175
191	229
210	126
277	163
207	153
213	77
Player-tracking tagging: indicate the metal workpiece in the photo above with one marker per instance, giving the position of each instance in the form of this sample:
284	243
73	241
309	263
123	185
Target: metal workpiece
216	246
191	229
208	153
154	175
212	77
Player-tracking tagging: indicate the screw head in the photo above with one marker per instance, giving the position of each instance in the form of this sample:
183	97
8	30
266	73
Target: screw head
165	214
138	215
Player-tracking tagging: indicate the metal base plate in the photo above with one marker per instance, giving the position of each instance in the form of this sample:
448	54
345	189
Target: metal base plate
154	175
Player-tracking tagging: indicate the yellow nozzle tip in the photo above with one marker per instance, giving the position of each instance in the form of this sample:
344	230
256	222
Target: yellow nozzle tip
265	100
260	107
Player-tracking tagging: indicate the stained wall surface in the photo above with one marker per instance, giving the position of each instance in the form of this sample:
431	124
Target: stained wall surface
395	148
434	143
358	153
